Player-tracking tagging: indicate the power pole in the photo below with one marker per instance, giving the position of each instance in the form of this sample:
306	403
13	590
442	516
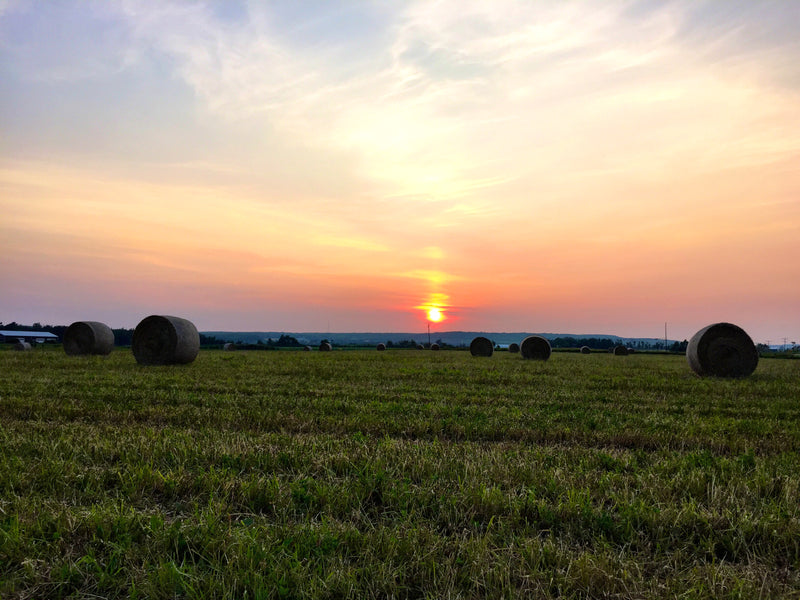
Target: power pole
665	336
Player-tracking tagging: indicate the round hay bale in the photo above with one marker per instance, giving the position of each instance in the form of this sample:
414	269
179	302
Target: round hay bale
381	347
88	337
513	348
420	347
481	346
23	347
325	347
306	348
229	347
722	350
164	340
620	351
434	347
586	350
535	347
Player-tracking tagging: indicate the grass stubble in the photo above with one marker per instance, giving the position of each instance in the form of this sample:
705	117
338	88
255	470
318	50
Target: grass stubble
396	475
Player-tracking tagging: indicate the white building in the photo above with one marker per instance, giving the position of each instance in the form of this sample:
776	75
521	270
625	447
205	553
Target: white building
37	337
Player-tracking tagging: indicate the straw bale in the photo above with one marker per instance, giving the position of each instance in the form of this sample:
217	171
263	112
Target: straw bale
481	346
381	347
722	350
535	347
88	337
513	348
165	340
23	347
586	350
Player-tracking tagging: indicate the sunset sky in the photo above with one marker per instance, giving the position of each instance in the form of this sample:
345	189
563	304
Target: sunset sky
542	166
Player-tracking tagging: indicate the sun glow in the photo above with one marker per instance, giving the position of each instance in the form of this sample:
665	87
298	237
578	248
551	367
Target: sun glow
435	315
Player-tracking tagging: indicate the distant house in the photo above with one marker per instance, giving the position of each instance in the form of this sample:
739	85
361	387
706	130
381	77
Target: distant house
38	337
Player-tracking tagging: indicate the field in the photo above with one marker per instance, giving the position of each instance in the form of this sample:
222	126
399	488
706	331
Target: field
399	474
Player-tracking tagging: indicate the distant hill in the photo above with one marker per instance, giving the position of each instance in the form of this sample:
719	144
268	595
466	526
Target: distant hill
454	338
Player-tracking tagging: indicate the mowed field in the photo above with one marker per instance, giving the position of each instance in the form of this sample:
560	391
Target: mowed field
397	474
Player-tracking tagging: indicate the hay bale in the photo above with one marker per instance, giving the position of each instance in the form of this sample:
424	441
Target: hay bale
229	347
513	348
481	346
420	347
620	351
434	347
164	340
23	347
586	350
722	350
88	337
381	347
306	348
325	347
535	347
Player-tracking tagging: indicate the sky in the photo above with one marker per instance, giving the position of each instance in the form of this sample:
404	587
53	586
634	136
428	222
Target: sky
540	166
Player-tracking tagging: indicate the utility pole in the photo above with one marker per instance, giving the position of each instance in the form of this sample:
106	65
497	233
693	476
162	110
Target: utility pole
429	334
665	336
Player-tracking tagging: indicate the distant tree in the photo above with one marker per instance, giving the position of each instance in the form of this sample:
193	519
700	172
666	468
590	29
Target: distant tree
679	346
123	337
287	341
404	344
210	340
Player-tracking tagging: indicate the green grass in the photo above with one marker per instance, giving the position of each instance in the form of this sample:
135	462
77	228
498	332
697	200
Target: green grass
396	474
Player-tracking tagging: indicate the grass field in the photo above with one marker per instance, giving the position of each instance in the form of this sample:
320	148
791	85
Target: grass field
399	474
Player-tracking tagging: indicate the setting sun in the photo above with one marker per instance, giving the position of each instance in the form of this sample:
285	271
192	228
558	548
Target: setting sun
435	315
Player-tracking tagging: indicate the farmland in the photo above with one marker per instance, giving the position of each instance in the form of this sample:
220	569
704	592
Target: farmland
406	474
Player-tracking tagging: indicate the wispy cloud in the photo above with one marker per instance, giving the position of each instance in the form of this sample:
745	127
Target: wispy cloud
453	100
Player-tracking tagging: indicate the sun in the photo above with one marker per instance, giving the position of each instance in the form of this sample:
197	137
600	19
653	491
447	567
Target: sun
435	315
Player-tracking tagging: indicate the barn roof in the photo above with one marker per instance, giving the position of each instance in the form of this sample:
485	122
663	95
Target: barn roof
33	334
